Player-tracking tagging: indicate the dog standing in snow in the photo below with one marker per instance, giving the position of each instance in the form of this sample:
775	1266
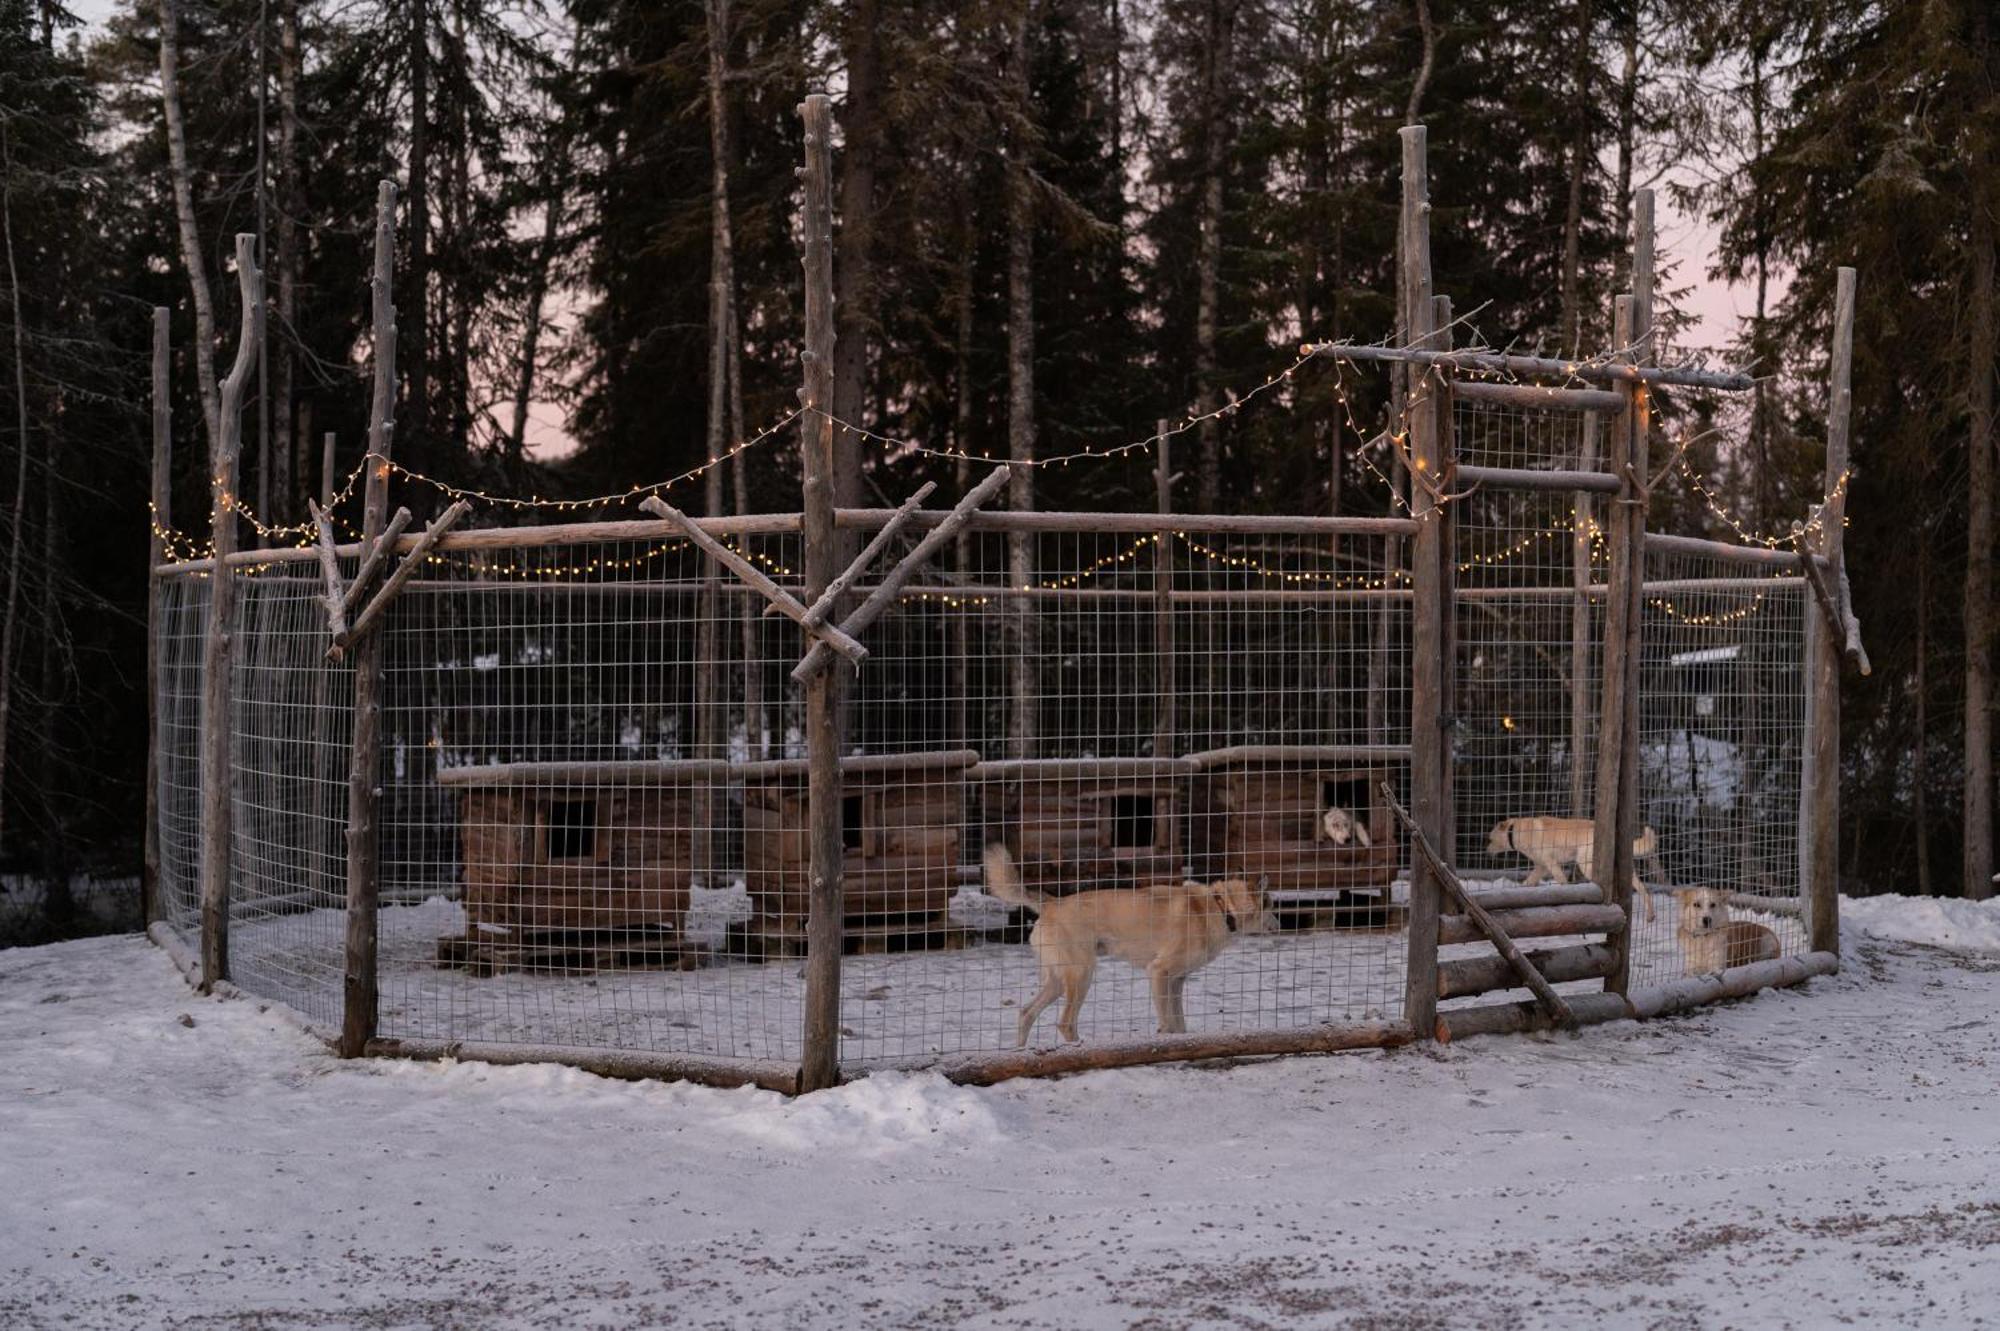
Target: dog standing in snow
1550	843
1711	941
1168	931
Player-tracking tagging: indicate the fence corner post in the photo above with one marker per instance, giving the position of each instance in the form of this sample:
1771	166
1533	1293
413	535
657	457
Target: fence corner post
1821	867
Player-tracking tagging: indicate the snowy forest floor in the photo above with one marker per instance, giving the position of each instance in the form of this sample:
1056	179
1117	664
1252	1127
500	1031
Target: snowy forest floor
1809	1156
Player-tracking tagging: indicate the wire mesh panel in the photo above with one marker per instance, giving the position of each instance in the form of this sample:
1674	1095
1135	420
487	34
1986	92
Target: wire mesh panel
181	629
1138	738
567	736
1722	741
291	733
1530	569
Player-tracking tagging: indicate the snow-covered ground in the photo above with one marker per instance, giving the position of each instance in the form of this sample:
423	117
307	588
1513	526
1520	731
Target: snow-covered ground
1809	1156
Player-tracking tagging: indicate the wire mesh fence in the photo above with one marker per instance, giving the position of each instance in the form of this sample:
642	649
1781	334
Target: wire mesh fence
1130	766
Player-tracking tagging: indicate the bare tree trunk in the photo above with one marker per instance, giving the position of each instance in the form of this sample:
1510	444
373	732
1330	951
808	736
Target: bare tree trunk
1022	721
262	191
854	306
191	256
1760	400
1979	560
289	462
1217	77
1579	166
1921	767
416	443
961	442
1628	129
17	527
458	213
538	295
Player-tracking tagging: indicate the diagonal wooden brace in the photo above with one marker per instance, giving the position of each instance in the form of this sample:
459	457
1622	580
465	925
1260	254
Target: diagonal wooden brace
329	563
817	612
1534	979
787	604
372	560
884	595
406	570
1840	618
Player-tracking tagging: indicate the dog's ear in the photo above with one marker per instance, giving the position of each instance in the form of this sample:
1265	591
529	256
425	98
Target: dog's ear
1263	886
1685	894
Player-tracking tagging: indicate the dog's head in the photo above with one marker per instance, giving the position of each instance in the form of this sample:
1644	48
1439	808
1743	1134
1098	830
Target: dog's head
1497	841
1242	905
1702	909
1646	844
1338	826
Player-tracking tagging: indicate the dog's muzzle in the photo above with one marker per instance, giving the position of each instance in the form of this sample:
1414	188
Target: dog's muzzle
1229	921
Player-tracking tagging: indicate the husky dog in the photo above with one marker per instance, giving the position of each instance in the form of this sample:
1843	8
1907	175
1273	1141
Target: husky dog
1550	843
1169	931
1712	941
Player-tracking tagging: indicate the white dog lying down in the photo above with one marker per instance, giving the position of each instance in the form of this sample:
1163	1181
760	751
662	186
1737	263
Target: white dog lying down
1340	827
1169	931
1550	843
1711	941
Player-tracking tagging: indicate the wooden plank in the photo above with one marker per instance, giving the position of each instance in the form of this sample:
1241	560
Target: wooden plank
820	1065
1822	815
1560	965
1427	674
1237	755
1736	982
780	599
1514	1018
218	649
988	1069
379	605
358	987
1526	478
1537	396
1609	372
879	600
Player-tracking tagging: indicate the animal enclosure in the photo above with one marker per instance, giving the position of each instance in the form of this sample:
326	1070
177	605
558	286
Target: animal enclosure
709	797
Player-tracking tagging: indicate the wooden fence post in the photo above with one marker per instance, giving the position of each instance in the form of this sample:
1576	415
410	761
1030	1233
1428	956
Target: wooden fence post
1427	636
1821	869
1443	394
218	653
364	771
820	1066
156	553
1616	817
1579	623
1163	601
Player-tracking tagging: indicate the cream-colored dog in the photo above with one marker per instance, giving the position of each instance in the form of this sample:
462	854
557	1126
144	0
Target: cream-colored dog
1550	843
1169	931
1711	941
1342	828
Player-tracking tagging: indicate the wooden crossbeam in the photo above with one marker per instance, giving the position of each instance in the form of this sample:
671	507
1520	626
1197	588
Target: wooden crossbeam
378	606
817	612
787	604
893	581
372	560
329	563
1544	992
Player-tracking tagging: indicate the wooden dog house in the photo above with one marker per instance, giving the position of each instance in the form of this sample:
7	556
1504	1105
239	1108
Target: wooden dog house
902	822
1259	813
575	863
1080	823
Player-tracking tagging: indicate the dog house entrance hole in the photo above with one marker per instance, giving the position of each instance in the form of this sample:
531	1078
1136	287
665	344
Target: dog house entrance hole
850	822
1132	822
1350	794
572	830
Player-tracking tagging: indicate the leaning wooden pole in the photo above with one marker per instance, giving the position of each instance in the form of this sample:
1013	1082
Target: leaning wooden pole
820	1066
364	771
218	653
156	554
1427	636
1822	860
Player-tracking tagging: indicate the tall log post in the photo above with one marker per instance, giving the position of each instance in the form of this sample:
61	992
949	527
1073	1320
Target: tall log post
364	771
820	1066
1821	867
163	501
1427	637
1443	392
326	472
1163	601
218	653
1579	622
1616	817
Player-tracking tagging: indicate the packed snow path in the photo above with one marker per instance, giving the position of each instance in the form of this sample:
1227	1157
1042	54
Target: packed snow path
1805	1157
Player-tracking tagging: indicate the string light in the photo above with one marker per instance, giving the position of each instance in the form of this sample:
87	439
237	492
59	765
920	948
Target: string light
1716	619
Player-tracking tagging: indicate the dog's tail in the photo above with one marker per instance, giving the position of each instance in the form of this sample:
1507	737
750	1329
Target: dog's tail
1645	843
1004	881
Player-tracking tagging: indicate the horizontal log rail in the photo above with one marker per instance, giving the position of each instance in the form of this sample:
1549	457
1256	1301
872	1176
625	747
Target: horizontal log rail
1538	397
1480	975
1513	1018
1528	478
1609	372
1536	922
987	1069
